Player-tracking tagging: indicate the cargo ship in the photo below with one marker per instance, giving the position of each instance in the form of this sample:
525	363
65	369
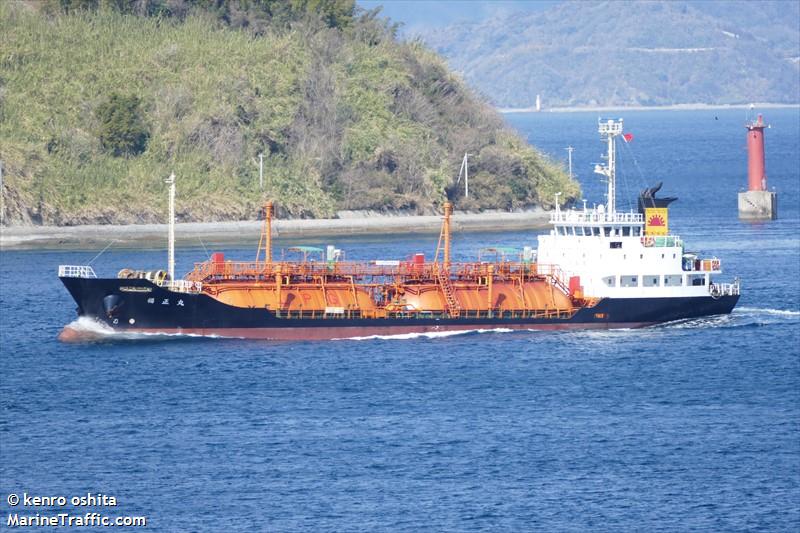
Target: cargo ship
596	268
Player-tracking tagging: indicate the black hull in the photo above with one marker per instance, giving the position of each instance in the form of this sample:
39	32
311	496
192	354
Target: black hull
141	306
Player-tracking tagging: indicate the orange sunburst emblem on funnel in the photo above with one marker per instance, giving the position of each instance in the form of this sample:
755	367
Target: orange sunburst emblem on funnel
657	220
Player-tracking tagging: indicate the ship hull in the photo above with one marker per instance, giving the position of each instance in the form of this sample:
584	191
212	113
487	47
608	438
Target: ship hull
139	306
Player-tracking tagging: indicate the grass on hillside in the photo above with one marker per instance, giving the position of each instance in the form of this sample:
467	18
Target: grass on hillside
345	120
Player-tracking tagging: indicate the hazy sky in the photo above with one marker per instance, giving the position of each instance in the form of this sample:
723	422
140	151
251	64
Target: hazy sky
416	14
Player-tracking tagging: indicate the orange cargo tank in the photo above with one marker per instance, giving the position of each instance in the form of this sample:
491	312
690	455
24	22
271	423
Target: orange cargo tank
295	297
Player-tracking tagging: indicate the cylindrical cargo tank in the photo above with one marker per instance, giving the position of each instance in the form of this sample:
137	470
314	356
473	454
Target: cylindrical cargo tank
298	298
424	297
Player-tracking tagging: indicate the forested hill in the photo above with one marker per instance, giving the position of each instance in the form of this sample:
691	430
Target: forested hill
613	53
101	99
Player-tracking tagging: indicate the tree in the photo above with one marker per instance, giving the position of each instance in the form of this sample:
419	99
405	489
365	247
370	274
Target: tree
335	13
122	129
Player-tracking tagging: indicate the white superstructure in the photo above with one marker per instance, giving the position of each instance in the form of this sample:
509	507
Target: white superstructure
613	255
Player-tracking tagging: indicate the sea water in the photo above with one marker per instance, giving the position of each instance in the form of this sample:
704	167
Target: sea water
686	426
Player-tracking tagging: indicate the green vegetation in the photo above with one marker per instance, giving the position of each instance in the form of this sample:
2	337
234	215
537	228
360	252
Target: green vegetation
100	100
122	130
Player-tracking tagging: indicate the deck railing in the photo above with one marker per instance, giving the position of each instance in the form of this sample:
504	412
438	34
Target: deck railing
724	289
595	217
76	271
349	314
255	271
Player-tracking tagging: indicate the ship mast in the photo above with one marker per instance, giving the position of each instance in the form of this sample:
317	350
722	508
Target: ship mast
608	131
444	235
448	210
266	234
171	246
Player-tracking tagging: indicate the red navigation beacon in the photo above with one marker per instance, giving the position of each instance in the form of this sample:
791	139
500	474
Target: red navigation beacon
756	169
757	203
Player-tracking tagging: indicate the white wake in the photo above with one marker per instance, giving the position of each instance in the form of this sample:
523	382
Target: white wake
768	311
425	335
86	329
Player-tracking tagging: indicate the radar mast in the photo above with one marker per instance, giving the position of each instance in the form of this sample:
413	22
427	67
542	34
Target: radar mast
609	129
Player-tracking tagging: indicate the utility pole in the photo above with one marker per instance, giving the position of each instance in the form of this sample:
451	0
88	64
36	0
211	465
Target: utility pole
466	175
465	170
2	194
261	171
569	152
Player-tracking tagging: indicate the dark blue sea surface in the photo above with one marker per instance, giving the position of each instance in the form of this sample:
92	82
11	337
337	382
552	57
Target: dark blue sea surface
691	426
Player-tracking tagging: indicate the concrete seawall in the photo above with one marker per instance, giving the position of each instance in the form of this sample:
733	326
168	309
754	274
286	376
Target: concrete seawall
217	233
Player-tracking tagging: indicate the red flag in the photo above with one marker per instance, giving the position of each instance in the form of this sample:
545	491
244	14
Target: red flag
628	137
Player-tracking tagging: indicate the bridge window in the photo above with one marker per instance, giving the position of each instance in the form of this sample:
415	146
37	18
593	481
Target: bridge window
696	280
626	231
615	244
673	280
610	281
650	281
629	281
607	231
637	231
